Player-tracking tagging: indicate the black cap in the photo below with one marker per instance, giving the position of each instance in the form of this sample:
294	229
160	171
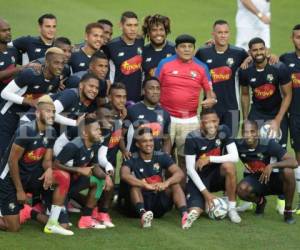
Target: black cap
185	39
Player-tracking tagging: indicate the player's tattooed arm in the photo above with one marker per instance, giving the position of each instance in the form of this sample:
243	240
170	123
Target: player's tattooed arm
245	100
15	155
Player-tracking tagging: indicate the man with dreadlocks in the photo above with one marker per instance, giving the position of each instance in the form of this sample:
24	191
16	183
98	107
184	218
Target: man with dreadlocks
156	28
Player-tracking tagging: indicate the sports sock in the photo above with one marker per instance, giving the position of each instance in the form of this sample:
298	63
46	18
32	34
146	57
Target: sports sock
297	176
182	210
140	208
231	204
54	214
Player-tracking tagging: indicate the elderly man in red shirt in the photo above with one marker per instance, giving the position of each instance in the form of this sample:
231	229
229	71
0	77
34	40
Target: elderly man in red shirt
182	77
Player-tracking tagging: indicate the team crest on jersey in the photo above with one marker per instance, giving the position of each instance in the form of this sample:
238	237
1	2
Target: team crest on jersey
193	74
168	55
92	154
139	50
160	118
292	65
260	156
1	63
218	142
270	77
13	60
45	140
230	61
38	50
50	88
156	166
11	206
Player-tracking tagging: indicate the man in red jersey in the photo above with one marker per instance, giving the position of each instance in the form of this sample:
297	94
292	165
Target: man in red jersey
182	77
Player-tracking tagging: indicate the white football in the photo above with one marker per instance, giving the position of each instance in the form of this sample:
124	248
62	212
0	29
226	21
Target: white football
265	132
219	210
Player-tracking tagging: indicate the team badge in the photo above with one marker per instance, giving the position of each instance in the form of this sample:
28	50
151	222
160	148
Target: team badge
1	63
218	142
92	154
139	50
193	74
168	55
156	166
13	60
11	206
45	140
270	77
50	88
230	61
260	156
160	118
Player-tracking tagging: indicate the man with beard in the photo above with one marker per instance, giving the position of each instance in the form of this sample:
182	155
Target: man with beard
149	194
22	93
292	61
208	168
259	179
271	94
125	54
35	47
98	66
223	61
156	29
80	59
27	166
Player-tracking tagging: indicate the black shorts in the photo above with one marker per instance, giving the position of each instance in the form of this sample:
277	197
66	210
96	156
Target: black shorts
273	187
157	202
231	119
262	118
213	181
8	197
294	125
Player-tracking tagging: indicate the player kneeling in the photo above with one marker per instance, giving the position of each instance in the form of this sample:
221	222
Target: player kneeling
149	195
207	169
77	169
260	179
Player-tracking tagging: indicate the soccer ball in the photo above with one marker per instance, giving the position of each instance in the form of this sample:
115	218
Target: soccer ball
219	210
265	132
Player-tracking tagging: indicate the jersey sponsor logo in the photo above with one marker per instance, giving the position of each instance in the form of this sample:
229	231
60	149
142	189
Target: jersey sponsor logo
141	116
121	54
296	80
212	152
253	80
209	61
131	65
148	59
264	91
34	156
154	126
255	166
81	64
37	50
115	138
221	74
169	54
153	179
292	65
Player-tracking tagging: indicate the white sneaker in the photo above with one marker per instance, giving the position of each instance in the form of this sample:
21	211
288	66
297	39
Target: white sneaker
234	216
189	220
245	206
146	219
56	229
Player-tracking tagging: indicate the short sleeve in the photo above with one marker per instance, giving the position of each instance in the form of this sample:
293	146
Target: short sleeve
21	43
67	153
23	136
166	161
276	150
242	78
24	77
189	146
284	74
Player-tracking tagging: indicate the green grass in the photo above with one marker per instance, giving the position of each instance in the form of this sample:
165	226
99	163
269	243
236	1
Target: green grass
188	16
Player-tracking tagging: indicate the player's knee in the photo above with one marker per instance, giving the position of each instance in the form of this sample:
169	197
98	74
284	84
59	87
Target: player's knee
228	168
288	173
243	189
62	179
